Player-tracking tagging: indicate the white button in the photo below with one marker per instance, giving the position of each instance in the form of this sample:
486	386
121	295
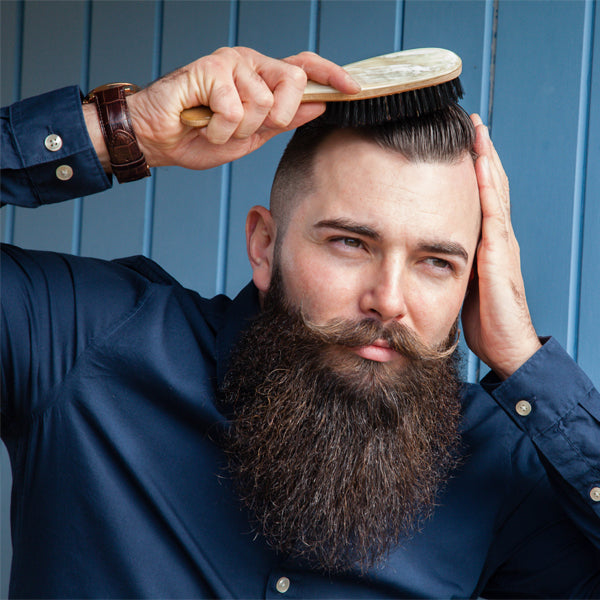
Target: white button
595	494
64	172
282	585
523	408
53	142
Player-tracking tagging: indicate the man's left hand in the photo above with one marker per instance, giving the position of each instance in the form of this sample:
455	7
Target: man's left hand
496	320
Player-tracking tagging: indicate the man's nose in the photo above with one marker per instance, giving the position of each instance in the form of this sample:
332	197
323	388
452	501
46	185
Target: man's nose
384	293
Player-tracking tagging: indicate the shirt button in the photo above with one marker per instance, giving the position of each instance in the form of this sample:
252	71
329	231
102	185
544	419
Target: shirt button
53	142
282	585
523	408
64	172
595	494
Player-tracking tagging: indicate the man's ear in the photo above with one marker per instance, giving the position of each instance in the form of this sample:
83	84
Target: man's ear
260	245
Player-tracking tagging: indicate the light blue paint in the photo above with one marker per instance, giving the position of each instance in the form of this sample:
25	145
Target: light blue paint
149	198
225	198
585	83
399	26
486	104
314	25
84	84
9	211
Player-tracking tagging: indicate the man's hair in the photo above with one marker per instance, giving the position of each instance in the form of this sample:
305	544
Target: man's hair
442	136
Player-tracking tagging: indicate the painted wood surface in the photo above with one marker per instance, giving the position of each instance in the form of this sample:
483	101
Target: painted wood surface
532	69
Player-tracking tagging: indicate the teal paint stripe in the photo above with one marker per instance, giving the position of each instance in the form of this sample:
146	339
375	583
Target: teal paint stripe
488	63
314	26
585	84
84	82
151	181
9	211
486	106
399	26
225	197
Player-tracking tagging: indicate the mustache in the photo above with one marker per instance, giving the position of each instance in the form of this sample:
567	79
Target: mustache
399	337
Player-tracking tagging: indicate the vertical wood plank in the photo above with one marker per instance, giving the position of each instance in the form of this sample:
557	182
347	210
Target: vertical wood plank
352	31
589	323
287	33
186	218
49	61
535	130
11	51
579	183
84	82
458	26
113	221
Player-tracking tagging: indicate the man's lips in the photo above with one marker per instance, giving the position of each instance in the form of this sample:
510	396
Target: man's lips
378	351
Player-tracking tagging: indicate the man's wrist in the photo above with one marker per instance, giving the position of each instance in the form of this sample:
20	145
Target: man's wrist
509	367
92	121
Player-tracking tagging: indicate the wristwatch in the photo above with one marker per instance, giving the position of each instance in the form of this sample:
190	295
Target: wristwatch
126	158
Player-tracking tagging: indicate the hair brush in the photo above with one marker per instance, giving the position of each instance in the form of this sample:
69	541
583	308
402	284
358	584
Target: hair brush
394	86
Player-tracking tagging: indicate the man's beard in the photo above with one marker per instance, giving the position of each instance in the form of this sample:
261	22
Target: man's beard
337	457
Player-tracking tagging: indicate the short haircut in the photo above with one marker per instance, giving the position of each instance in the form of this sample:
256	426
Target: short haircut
442	136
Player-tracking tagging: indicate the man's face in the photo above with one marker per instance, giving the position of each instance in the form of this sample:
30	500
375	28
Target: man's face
382	238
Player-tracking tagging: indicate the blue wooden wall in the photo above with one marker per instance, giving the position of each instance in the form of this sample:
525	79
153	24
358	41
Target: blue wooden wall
531	68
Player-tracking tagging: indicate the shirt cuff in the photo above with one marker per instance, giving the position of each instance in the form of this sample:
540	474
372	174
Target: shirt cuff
52	150
543	390
555	403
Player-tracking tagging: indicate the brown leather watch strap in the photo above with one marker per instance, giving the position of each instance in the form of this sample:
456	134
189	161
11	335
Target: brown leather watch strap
126	158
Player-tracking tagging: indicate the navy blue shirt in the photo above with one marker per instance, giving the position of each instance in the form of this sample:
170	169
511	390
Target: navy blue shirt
111	417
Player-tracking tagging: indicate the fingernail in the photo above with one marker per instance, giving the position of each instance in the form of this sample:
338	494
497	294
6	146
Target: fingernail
353	82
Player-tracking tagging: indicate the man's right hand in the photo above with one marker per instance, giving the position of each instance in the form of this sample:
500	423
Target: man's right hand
253	98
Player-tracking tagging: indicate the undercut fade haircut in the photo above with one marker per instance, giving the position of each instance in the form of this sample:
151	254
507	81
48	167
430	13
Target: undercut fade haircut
442	136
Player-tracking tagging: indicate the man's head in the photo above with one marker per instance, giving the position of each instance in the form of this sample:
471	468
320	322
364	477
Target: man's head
374	222
345	388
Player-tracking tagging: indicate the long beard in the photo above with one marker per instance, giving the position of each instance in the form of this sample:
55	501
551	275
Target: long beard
337	457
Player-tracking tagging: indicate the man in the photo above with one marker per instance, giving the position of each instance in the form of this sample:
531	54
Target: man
167	445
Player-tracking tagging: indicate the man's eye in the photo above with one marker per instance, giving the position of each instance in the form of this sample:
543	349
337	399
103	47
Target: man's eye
348	242
439	263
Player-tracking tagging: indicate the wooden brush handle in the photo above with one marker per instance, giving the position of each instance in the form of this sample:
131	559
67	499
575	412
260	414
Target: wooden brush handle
198	116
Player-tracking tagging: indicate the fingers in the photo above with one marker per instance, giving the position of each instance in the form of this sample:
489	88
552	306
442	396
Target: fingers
247	90
493	182
240	100
252	98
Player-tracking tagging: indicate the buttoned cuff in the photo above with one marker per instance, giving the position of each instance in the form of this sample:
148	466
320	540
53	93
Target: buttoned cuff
556	404
550	382
52	156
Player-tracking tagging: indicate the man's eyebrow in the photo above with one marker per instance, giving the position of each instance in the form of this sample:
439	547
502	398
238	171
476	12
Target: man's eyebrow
437	247
448	248
350	227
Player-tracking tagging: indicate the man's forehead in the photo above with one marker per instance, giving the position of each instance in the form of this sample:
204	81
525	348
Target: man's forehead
352	149
357	157
357	175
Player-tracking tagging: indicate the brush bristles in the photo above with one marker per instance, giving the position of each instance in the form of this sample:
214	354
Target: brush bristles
373	111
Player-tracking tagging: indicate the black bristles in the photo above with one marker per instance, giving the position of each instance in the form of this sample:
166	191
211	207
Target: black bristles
373	111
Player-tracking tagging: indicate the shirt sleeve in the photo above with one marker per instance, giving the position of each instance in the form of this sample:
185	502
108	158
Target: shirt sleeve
54	307
557	406
47	155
